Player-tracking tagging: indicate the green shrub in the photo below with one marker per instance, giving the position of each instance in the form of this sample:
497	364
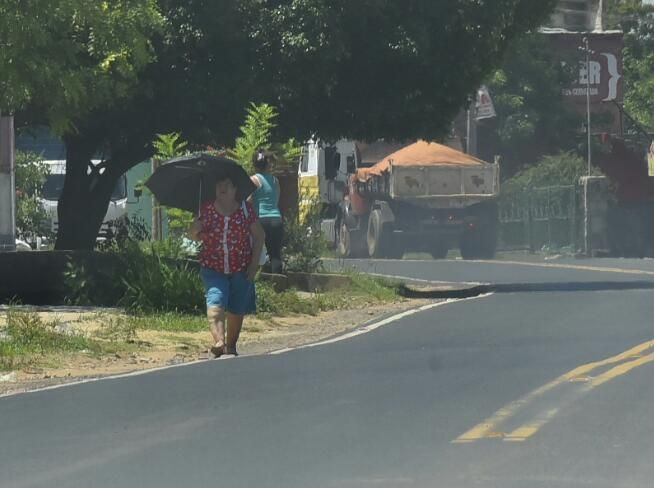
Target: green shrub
304	245
154	283
31	217
148	277
558	169
28	333
270	302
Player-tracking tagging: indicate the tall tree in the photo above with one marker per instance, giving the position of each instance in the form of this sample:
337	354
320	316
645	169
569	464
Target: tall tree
67	57
364	69
636	19
532	118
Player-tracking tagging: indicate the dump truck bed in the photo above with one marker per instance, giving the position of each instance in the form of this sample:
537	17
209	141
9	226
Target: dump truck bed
431	175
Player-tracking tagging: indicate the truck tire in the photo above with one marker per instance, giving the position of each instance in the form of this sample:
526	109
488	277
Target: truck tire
439	250
350	243
380	238
480	241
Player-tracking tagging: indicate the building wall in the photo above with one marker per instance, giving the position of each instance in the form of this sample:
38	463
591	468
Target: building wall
140	209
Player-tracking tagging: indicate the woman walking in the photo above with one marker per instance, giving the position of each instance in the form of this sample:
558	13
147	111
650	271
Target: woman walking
266	203
232	242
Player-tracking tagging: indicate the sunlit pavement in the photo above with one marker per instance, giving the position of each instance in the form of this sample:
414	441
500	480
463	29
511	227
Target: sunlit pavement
538	389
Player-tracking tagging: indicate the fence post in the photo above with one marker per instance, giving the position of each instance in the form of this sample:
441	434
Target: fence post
7	185
572	213
549	216
530	222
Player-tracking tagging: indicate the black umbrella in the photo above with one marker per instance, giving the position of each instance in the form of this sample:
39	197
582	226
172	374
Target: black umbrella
188	181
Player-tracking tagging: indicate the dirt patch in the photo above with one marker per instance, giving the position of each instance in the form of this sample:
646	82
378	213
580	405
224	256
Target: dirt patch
153	348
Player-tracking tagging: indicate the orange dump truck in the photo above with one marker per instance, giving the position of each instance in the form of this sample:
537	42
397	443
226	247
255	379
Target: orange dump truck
426	197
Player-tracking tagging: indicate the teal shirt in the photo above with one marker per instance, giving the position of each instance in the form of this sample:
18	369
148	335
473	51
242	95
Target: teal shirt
267	196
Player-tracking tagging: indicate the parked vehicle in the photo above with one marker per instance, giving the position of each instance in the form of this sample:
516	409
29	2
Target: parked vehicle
425	197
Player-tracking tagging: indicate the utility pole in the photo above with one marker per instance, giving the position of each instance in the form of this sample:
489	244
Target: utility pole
7	185
471	129
586	181
587	51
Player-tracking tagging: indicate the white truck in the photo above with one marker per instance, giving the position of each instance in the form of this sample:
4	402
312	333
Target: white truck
116	211
423	197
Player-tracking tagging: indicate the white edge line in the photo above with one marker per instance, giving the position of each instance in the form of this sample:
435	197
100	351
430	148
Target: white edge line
376	325
363	330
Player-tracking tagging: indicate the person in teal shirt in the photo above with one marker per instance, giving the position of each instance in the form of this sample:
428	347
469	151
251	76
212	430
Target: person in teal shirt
266	204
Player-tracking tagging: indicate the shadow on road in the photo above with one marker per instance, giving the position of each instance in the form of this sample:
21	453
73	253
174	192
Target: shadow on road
420	291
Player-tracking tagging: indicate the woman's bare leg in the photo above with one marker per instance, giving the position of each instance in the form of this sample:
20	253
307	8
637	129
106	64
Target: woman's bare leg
234	326
216	317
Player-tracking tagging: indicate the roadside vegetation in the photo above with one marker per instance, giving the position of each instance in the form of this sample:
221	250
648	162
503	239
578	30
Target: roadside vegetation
27	340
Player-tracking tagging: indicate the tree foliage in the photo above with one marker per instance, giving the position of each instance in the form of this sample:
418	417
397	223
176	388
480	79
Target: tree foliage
31	218
364	69
67	57
636	19
257	133
380	68
564	168
532	119
168	146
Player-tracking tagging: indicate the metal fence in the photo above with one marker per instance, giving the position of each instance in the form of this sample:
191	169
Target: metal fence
540	218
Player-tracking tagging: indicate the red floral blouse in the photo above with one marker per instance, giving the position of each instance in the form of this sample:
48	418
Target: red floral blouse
226	241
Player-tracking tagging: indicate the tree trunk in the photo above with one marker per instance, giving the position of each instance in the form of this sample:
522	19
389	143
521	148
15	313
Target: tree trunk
84	200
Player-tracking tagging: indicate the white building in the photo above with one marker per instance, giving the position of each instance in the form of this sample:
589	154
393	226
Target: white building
577	16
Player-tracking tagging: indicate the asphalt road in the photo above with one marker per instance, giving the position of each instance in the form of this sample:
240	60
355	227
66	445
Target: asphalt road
523	271
550	389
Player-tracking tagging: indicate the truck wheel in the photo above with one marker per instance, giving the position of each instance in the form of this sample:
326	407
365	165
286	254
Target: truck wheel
350	243
480	241
343	244
375	235
380	238
439	250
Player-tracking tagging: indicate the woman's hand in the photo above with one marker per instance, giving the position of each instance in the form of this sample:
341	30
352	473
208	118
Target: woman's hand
196	229
252	270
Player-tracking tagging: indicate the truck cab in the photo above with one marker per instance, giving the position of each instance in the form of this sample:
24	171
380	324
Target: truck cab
324	170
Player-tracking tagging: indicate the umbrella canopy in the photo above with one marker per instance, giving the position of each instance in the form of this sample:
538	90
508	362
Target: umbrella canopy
188	181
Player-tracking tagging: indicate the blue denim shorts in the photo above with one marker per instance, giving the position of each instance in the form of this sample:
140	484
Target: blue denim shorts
234	293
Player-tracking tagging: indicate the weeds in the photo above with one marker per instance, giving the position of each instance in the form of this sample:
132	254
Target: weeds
28	337
173	322
118	329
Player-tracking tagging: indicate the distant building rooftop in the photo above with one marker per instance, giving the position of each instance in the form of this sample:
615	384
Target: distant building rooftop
576	16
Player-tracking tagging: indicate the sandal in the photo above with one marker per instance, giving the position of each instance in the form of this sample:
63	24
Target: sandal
230	351
217	350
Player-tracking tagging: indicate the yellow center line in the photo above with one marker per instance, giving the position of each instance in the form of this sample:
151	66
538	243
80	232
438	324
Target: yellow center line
579	267
525	431
489	428
619	370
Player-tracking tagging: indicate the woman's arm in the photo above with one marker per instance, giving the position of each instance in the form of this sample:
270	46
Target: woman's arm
257	183
277	187
258	240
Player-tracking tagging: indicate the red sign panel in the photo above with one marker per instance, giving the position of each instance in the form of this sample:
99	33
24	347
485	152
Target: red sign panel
604	73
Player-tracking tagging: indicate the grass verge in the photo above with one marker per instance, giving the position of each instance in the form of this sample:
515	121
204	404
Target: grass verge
28	340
